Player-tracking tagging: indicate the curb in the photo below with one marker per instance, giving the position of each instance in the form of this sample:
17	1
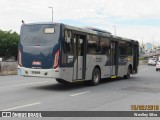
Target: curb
5	73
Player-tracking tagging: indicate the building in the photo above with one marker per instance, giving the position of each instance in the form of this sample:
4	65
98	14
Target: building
148	46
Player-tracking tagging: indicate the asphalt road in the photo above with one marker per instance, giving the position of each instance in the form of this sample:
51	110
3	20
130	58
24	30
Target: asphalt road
45	94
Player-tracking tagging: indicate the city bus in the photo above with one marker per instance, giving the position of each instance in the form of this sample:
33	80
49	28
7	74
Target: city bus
69	54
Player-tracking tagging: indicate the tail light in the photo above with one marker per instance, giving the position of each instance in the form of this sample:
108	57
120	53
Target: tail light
19	58
56	59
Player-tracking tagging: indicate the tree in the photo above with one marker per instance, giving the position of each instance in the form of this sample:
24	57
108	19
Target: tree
9	43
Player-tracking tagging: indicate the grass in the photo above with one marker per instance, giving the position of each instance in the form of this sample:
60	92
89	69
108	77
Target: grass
142	58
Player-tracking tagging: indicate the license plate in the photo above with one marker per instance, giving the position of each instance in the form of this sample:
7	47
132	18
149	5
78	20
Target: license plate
36	72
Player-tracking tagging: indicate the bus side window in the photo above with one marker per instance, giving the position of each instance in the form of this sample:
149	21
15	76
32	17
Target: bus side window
129	49
122	53
122	48
93	45
104	46
68	47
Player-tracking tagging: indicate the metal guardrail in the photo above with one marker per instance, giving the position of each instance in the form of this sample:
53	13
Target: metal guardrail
151	54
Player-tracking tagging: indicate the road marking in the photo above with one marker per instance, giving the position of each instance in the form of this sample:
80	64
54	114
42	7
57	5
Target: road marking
22	106
24	84
80	93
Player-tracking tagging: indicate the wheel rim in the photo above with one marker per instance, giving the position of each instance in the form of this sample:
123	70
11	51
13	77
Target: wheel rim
96	77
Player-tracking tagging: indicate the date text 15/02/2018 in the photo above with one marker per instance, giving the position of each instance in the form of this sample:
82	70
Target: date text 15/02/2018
145	107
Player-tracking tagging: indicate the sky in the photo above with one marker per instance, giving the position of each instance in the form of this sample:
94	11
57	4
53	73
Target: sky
134	19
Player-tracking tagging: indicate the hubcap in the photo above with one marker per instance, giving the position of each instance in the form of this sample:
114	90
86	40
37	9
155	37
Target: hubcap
128	73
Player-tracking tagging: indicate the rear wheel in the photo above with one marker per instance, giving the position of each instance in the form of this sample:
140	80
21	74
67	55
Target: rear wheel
96	76
128	74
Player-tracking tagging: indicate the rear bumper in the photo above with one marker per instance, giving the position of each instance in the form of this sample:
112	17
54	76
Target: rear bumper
39	72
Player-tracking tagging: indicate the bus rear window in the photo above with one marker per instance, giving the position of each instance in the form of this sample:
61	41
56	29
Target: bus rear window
42	35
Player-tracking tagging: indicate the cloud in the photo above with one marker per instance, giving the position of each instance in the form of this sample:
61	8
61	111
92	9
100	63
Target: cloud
127	9
132	18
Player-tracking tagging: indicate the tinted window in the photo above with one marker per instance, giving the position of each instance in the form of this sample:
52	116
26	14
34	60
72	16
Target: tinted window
68	47
68	42
93	44
122	48
104	46
129	49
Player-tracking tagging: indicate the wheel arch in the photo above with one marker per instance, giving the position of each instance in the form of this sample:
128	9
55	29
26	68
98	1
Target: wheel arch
97	66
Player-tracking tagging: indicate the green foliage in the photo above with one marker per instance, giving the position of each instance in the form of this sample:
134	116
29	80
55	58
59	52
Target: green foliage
141	58
9	43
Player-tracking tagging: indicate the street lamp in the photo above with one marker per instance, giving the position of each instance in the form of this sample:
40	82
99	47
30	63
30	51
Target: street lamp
52	12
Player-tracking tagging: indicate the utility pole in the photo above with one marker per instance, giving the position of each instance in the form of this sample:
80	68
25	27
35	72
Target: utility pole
52	12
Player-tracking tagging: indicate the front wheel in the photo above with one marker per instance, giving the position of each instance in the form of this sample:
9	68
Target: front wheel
96	76
128	74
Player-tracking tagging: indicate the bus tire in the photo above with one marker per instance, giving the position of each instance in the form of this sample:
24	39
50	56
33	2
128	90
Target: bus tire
61	81
96	76
128	73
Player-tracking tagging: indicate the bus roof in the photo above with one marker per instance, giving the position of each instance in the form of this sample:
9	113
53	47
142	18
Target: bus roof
84	30
98	32
90	30
43	23
87	30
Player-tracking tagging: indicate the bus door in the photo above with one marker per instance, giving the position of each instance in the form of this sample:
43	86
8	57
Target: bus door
135	57
79	56
114	58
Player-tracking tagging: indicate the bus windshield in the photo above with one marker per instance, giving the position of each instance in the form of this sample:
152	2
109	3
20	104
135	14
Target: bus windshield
39	35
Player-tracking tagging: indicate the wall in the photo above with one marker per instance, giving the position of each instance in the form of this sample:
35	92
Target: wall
8	68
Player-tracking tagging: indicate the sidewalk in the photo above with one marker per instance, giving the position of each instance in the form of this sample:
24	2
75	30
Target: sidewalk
143	62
